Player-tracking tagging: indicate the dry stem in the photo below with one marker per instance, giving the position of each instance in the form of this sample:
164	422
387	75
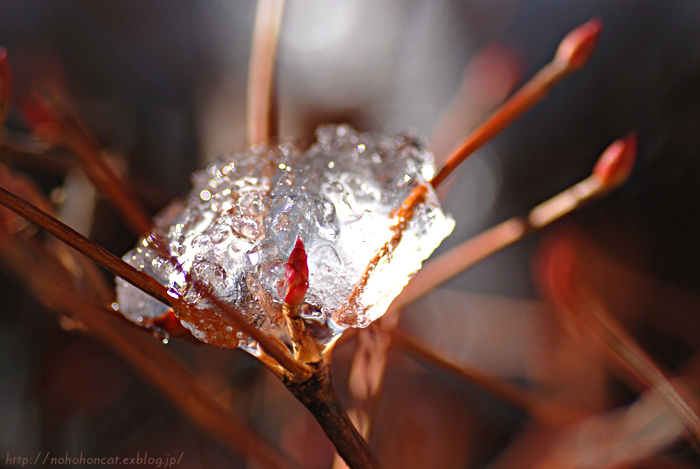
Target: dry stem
319	396
572	54
75	136
539	408
620	155
145	355
261	72
142	281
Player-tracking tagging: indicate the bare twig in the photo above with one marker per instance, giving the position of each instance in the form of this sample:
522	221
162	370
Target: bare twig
567	287
261	72
540	408
94	251
367	376
74	135
142	281
573	53
612	169
319	396
159	367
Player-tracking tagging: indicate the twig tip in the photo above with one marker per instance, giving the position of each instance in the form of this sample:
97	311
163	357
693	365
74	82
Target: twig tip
615	164
578	46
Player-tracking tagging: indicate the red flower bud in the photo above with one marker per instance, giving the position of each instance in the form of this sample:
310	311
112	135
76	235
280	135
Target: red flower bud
615	164
578	46
297	272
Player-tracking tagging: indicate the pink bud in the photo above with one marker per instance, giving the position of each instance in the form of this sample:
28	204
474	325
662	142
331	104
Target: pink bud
615	164
578	46
42	118
4	83
297	272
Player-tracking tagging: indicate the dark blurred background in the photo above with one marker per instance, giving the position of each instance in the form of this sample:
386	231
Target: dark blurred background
162	85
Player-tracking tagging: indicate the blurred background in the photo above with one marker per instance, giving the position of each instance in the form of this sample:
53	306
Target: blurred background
162	85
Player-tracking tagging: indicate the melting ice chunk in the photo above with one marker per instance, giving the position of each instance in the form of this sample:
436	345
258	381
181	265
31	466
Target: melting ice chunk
240	222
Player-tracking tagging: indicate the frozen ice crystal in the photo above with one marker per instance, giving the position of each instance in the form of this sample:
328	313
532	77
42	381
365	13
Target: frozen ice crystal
238	225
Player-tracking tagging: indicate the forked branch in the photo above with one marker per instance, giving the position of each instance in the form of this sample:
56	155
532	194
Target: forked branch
612	169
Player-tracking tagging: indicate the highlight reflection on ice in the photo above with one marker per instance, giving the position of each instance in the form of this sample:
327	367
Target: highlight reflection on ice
239	224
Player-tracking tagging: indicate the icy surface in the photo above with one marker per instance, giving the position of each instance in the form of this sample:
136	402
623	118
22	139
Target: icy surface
239	224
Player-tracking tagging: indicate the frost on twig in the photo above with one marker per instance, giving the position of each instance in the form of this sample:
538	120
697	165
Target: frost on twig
237	228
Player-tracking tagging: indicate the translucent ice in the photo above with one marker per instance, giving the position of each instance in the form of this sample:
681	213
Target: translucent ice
239	224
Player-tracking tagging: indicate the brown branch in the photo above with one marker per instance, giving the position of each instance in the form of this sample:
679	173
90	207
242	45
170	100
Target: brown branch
75	136
319	396
572	54
52	287
567	287
261	72
611	170
92	250
175	382
144	282
540	408
626	349
33	157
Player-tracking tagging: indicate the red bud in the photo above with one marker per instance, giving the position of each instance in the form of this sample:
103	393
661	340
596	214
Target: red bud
297	272
556	275
41	117
4	83
615	164
577	47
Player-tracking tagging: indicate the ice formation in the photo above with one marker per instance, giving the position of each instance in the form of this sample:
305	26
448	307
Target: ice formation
239	224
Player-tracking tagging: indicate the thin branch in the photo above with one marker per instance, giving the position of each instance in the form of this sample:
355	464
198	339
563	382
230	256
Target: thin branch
154	363
487	81
35	157
572	54
611	170
92	250
367	376
541	409
625	348
144	282
179	386
261	72
319	396
75	136
567	287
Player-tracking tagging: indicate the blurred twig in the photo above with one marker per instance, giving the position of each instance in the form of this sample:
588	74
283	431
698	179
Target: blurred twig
144	354
261	105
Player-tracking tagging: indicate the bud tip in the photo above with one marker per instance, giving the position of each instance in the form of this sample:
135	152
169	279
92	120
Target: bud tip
615	164
297	273
577	47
